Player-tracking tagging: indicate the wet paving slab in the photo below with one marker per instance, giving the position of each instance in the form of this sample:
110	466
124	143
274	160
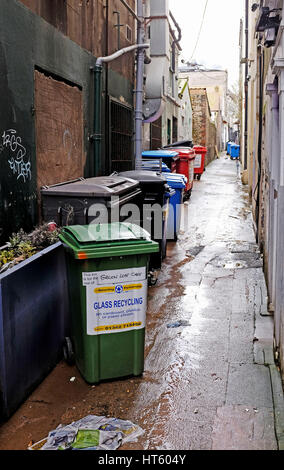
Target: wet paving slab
202	387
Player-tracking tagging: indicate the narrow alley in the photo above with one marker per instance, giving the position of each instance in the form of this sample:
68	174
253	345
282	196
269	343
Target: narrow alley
210	381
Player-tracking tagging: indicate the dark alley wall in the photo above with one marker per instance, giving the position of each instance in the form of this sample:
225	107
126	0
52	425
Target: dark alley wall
47	103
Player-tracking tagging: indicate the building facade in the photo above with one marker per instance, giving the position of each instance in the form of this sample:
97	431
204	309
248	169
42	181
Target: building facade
216	84
185	115
163	109
204	130
263	143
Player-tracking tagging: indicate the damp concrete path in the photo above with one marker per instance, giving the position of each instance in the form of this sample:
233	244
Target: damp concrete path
207	383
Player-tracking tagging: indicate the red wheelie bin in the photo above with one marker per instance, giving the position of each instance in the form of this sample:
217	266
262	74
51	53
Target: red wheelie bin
199	165
185	166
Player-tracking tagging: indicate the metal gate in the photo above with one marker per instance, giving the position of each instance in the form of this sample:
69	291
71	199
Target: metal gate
121	137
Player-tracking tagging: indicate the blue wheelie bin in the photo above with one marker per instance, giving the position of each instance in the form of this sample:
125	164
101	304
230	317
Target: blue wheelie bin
235	151
178	184
153	165
170	157
229	147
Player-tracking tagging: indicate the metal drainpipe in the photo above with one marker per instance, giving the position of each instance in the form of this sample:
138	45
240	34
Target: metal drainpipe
260	133
139	87
97	136
246	90
175	41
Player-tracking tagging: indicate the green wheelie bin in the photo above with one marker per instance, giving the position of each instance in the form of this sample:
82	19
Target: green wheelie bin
107	267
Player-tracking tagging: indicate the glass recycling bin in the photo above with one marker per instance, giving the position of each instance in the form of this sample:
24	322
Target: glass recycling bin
107	267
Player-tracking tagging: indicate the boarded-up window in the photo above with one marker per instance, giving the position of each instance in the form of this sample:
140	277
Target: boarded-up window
121	137
59	131
156	134
175	129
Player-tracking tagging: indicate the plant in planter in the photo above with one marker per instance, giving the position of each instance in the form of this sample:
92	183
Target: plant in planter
34	312
22	246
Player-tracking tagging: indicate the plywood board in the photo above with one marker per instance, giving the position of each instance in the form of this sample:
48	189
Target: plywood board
59	131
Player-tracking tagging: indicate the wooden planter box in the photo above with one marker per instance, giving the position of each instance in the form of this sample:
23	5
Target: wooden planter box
33	324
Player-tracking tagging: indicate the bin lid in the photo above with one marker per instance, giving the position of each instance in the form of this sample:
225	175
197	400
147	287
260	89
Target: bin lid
181	143
145	176
100	186
176	181
199	148
160	154
186	152
178	176
155	166
106	240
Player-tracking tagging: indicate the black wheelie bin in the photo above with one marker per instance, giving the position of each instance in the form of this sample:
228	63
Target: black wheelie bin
91	200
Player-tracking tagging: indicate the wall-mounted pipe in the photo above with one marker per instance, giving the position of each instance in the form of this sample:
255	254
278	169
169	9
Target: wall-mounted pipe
130	10
246	87
139	87
97	135
175	41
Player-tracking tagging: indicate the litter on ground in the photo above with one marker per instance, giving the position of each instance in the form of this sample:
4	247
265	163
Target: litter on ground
90	433
177	324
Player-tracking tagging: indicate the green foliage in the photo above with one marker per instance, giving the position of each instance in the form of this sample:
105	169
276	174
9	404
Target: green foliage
22	245
6	256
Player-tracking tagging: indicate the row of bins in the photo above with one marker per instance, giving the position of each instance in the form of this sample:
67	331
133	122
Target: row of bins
165	180
113	199
110	261
233	150
183	160
115	348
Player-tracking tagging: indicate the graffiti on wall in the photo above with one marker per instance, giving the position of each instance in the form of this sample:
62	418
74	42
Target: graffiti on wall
19	164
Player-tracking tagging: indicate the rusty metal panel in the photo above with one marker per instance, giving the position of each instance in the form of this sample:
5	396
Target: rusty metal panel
59	131
33	5
92	24
74	21
53	11
125	64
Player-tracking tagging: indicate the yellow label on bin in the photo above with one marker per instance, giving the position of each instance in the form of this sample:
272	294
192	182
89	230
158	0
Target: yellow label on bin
111	290
132	287
104	290
123	326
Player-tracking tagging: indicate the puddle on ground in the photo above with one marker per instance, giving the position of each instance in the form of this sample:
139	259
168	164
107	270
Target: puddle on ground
193	252
238	259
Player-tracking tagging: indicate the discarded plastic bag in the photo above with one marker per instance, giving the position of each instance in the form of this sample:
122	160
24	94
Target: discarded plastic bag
92	433
179	323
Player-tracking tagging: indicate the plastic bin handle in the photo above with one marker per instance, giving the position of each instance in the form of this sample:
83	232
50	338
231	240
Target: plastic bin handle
124	199
170	193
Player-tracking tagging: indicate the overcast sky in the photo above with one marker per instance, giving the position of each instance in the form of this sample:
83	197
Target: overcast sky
218	45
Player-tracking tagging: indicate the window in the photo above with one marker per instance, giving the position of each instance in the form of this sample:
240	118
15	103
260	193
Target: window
175	129
128	33
169	132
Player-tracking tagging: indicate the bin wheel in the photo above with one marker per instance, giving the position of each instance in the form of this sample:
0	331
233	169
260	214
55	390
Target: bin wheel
152	279
68	352
198	177
186	196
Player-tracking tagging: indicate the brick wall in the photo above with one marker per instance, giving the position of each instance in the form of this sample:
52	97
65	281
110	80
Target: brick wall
203	130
